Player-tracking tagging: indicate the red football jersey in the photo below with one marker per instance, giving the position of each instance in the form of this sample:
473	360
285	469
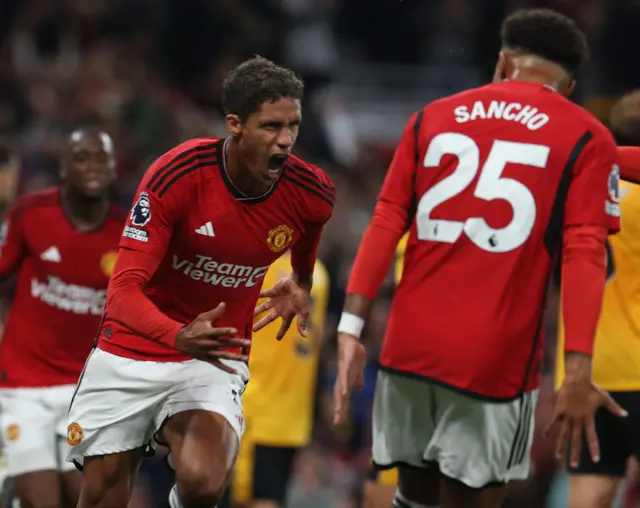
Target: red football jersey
212	243
60	294
494	175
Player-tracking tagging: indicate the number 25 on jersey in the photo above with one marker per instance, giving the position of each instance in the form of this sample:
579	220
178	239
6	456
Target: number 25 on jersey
491	185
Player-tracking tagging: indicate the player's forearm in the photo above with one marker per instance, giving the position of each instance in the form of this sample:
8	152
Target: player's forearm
128	305
377	250
583	279
304	255
629	163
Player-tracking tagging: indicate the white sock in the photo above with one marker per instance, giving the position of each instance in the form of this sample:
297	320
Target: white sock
399	501
174	500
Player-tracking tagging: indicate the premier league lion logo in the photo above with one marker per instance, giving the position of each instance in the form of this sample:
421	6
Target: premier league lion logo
141	211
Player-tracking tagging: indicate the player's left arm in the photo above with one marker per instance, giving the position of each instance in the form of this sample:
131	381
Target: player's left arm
629	163
591	212
390	220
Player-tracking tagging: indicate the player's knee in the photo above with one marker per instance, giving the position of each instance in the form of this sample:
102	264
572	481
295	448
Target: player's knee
199	488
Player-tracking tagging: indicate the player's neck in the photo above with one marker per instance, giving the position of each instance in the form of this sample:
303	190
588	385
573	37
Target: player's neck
85	214
240	175
532	69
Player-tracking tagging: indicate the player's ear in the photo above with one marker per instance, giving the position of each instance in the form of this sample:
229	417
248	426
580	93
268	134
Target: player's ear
234	124
570	88
500	73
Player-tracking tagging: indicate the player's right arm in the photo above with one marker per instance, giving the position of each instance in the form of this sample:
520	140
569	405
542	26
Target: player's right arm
374	257
143	246
12	246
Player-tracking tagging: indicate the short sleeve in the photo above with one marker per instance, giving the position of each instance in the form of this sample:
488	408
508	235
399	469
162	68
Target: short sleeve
12	245
150	222
398	187
593	197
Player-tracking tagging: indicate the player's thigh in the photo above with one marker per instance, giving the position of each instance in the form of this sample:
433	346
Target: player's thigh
108	480
72	484
202	425
403	423
28	429
479	443
39	489
455	494
203	450
377	495
117	404
593	491
419	485
272	470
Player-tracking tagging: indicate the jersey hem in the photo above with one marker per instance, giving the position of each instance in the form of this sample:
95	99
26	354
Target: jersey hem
454	388
123	352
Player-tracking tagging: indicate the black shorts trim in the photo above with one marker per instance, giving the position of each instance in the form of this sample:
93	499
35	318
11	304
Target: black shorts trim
462	391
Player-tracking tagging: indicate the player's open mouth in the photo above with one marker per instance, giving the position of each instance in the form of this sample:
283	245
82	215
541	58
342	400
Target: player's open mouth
94	182
275	164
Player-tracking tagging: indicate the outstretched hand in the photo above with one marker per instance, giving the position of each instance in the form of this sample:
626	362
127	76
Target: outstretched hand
285	300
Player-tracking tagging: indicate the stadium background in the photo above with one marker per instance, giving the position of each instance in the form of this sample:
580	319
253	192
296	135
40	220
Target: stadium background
150	72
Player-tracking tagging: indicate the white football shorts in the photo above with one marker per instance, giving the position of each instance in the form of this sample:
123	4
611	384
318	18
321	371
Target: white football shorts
476	442
120	404
34	428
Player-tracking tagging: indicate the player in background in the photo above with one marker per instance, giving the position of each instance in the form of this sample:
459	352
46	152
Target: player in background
491	183
210	217
279	400
616	365
62	245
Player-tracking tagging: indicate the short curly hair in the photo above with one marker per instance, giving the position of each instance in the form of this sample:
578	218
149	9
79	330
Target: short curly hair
256	81
547	34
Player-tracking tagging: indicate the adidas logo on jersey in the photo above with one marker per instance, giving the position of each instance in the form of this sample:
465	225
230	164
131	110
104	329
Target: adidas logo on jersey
52	254
206	229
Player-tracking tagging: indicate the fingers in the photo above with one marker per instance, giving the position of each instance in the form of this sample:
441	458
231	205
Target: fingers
212	314
302	325
613	406
576	443
269	318
563	439
592	440
217	343
286	323
263	307
222	366
340	402
227	355
218	333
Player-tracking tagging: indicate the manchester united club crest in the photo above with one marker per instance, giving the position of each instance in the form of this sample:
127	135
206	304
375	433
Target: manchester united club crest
74	434
13	432
108	261
279	238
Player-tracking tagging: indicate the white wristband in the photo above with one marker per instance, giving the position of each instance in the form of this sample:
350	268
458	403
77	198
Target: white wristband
351	324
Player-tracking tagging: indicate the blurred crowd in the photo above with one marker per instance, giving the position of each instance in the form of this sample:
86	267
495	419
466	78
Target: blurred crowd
150	73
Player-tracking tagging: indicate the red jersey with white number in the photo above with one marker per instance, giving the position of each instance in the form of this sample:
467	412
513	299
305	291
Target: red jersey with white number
60	294
208	244
495	174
